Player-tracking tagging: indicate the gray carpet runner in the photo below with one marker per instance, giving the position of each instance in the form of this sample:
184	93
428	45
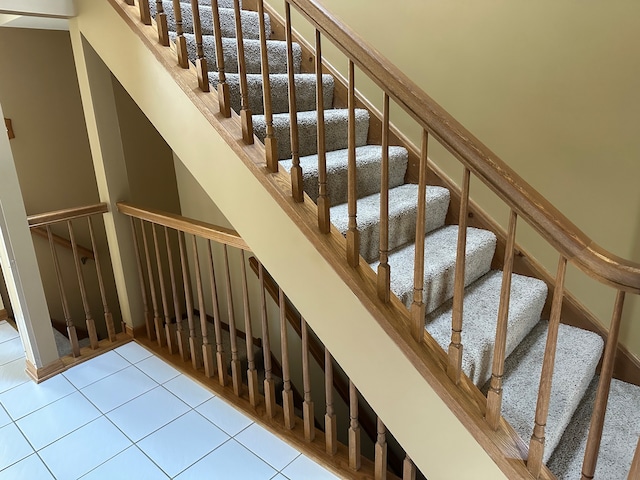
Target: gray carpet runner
578	351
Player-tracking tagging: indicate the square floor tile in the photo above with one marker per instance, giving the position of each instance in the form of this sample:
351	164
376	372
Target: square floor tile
118	389
157	369
11	350
13	446
267	446
83	450
224	416
187	390
131	464
147	413
12	374
133	352
5	419
7	332
182	442
29	397
95	369
29	468
230	460
302	468
57	419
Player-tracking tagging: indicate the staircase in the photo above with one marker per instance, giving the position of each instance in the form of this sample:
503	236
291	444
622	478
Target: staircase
578	352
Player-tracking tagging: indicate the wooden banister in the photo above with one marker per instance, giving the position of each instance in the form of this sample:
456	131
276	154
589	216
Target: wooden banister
530	205
57	216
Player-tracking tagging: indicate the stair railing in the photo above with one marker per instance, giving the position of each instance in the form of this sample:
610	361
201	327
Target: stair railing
214	246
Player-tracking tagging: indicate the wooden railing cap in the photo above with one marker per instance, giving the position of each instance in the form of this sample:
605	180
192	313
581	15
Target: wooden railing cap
48	218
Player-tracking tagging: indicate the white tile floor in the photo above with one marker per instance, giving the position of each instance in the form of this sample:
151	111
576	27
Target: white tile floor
129	415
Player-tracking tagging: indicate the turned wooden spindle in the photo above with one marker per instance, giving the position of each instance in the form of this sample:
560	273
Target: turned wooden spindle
270	141
71	329
252	373
380	471
536	445
307	406
330	423
384	269
207	352
157	319
175	341
236	372
602	394
287	392
355	459
108	317
220	357
161	22
269	383
148	317
324	202
454	367
296	170
162	335
90	322
224	96
246	119
186	281
409	469
353	235
418	307
145	12
201	61
494	396
181	41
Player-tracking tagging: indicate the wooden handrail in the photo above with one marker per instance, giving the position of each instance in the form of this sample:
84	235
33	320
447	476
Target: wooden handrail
209	231
84	252
546	219
49	218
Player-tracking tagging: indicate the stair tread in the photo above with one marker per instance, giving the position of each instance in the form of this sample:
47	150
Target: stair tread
402	217
577	355
480	315
439	265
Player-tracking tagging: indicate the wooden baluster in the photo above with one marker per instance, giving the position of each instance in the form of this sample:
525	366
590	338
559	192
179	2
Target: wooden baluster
324	202
454	368
381	452
145	12
270	141
236	373
207	352
408	469
157	320
287	392
246	120
161	22
353	235
494	396
71	328
252	373
384	269
186	281
181	42
201	61
330	425
307	407
354	429
108	317
91	324
220	360
223	87
634	473
418	307
296	170
269	384
143	287
602	394
179	332
163	291
536	445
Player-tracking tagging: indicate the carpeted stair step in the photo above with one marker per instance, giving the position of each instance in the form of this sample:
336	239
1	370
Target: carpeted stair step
577	355
402	217
368	161
336	130
250	22
439	268
305	91
277	54
619	437
480	318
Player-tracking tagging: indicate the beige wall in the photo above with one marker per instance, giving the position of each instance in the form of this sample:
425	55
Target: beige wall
551	87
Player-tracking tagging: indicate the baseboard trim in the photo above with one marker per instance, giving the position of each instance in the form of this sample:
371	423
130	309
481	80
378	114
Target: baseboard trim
136	332
4	314
40	374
